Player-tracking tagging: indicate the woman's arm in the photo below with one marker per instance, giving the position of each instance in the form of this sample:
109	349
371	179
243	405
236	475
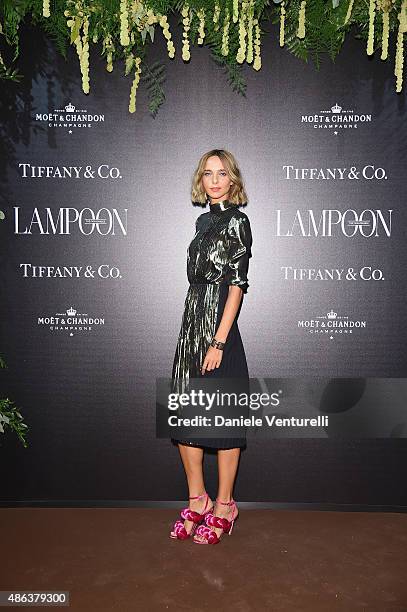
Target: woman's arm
229	313
213	356
240	238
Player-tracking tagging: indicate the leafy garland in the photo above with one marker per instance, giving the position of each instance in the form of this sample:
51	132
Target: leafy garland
10	417
233	30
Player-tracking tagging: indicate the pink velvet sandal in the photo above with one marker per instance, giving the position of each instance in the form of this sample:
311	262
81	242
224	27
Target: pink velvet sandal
205	531
178	531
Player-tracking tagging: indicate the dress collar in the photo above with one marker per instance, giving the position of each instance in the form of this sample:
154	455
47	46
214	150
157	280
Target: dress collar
218	207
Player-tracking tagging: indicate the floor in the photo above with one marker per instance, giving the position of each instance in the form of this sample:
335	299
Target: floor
278	560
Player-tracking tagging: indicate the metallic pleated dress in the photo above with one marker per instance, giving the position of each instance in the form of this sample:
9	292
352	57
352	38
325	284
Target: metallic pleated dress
218	256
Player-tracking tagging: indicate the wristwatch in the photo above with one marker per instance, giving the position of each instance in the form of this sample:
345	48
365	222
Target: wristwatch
217	344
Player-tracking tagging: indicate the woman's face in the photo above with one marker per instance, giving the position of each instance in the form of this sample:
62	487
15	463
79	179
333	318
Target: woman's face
215	180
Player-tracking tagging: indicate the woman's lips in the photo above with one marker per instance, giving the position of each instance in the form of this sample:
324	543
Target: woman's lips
215	188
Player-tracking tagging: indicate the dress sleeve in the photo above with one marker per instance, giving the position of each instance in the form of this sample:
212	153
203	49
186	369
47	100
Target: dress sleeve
240	237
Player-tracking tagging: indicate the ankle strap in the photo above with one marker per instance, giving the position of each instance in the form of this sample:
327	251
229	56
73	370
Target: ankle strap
230	503
199	496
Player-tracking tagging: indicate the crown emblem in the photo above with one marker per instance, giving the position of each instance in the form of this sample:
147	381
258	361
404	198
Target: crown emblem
69	108
336	108
331	314
71	312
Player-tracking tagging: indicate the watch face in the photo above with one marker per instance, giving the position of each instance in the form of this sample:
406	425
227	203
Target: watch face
217	344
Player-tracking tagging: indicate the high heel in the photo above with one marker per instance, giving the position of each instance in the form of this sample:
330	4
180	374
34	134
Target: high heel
219	522
178	531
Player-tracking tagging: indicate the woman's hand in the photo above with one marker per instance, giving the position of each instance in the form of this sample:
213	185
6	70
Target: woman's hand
212	359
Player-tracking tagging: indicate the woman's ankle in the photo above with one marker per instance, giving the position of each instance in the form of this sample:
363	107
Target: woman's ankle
225	498
194	496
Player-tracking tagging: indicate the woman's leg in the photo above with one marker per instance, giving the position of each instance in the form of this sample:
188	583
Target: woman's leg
192	458
228	461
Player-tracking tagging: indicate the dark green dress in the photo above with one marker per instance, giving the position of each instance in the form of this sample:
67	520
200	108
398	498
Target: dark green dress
217	257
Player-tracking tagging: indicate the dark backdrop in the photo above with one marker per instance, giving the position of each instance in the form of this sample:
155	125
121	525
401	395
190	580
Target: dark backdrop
88	395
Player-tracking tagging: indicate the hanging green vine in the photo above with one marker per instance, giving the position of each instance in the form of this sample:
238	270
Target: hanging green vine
10	417
232	29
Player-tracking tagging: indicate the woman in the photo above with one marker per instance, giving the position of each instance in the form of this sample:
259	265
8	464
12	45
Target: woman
209	343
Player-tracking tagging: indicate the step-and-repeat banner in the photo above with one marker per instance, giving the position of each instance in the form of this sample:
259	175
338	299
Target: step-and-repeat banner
97	220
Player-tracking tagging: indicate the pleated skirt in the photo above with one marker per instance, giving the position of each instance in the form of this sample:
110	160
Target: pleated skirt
233	365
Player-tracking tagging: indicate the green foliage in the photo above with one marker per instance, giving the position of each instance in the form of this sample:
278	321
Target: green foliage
9	73
324	34
10	417
56	28
325	31
213	40
12	13
153	77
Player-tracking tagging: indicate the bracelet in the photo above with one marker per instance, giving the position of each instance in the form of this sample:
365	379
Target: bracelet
217	344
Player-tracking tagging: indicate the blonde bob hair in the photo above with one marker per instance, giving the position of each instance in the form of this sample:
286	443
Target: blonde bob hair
237	194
